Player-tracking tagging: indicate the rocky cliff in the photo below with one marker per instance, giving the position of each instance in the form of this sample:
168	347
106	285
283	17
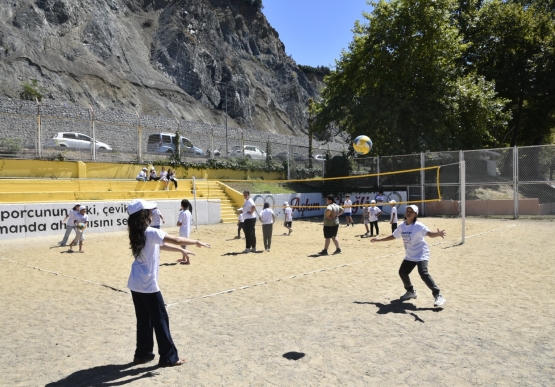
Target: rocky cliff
192	59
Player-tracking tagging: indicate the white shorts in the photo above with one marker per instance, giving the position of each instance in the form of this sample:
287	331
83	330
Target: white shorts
366	221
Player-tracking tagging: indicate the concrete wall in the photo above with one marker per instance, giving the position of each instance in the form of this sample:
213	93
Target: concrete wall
32	220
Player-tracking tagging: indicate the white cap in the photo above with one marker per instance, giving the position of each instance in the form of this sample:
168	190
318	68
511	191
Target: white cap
144	169
139	204
82	208
414	208
392	201
285	203
372	201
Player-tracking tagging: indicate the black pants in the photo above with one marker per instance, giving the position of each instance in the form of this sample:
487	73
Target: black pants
372	225
174	182
250	234
408	266
267	235
152	315
393	227
239	227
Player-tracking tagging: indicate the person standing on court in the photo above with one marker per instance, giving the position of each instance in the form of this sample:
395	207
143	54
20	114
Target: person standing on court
157	218
348	206
240	223
80	218
374	215
184	221
331	225
393	216
417	253
288	212
249	209
150	310
267	217
68	220
380	198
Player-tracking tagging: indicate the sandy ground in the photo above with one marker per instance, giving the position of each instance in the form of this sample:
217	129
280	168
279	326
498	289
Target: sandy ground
67	319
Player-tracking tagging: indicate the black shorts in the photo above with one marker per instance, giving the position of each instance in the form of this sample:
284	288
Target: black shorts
330	231
288	224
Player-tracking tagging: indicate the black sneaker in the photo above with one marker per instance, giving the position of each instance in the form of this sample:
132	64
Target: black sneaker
323	252
338	251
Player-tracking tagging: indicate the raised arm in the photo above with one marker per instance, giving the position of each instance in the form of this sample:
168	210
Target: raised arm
184	241
383	239
438	233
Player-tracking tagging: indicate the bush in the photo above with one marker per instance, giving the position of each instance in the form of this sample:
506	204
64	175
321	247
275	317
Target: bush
10	145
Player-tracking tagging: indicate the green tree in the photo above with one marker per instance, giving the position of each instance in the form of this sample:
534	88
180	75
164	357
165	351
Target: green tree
514	47
400	82
32	91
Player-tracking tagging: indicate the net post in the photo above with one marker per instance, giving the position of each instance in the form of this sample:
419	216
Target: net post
515	181
422	182
463	197
195	201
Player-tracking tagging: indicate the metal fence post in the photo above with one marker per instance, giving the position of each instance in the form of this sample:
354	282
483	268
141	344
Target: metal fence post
462	191
39	130
422	182
378	168
93	131
139	139
515	181
288	158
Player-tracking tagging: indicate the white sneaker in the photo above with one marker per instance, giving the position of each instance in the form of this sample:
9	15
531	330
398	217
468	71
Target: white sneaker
246	251
439	300
408	295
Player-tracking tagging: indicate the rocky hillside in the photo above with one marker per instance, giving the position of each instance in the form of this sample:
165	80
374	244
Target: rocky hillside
185	58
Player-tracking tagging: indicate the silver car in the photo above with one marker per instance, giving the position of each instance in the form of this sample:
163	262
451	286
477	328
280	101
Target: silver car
251	152
75	141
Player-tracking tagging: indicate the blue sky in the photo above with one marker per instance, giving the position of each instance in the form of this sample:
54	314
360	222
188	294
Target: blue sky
315	31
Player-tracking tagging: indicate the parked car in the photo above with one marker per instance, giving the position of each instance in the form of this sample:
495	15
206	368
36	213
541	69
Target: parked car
165	143
294	156
251	152
75	141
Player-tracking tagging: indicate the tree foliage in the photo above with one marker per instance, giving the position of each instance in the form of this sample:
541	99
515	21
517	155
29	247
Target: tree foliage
32	91
444	75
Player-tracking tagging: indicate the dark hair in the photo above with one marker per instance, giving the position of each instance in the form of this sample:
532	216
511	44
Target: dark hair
246	192
330	197
266	205
136	225
187	205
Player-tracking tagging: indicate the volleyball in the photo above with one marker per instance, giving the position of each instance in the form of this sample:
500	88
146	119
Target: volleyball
362	145
81	226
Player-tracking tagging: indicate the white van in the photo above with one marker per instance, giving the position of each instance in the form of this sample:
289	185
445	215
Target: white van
165	143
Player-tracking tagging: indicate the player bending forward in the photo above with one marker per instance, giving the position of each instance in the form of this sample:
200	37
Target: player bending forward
417	253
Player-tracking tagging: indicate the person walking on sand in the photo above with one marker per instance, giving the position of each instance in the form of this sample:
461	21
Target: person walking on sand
417	253
393	215
267	217
348	207
240	223
331	225
150	310
374	216
70	225
249	209
80	221
288	222
156	218
366	218
184	221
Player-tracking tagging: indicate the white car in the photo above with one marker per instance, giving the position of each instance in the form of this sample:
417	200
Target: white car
251	152
75	141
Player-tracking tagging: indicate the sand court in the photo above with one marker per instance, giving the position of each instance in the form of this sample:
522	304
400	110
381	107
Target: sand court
68	320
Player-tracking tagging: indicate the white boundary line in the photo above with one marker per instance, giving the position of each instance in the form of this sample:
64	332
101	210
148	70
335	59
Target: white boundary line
246	286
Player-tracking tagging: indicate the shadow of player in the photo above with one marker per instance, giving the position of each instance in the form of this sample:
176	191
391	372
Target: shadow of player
398	306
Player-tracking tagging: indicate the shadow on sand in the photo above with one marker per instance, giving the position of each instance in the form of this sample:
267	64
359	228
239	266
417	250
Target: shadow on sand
398	306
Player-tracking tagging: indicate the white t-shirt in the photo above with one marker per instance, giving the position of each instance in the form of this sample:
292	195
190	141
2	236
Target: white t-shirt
266	215
365	213
71	217
141	175
164	176
78	218
185	218
373	213
247	209
393	217
416	248
156	217
347	206
288	211
144	270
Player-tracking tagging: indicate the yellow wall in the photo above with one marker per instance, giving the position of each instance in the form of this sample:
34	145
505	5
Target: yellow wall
78	169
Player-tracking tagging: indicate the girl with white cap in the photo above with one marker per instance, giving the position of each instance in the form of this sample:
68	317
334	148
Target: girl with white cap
393	216
150	311
288	222
417	253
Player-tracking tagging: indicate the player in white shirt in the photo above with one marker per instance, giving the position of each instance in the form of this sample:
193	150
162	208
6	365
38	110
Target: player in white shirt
347	207
157	218
184	221
142	175
288	212
249	209
374	214
80	218
267	218
393	217
417	253
366	218
70	226
150	310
